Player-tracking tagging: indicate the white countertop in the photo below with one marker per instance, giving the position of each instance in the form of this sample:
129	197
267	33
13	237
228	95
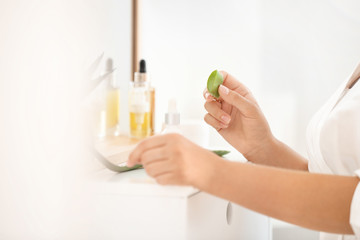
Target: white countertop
136	183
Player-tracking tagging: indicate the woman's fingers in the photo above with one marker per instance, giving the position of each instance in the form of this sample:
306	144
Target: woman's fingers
147	144
237	100
157	168
153	155
214	123
233	84
159	162
168	158
214	109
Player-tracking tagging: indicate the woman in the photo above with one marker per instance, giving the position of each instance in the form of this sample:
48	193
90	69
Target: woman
321	193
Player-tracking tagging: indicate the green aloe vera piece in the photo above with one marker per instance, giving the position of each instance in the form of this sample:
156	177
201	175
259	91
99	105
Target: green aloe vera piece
110	165
221	153
125	169
214	81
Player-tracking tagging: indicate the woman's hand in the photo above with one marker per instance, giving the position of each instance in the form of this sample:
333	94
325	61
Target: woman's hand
172	159
239	119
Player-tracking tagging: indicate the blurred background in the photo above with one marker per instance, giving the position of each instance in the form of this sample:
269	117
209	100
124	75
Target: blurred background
291	54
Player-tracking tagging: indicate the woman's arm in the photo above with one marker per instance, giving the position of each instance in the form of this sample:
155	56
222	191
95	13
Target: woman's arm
278	154
315	201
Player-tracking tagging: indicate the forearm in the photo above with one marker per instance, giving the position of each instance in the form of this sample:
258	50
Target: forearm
277	154
315	201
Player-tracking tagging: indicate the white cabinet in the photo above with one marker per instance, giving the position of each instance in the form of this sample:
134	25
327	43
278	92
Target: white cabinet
132	206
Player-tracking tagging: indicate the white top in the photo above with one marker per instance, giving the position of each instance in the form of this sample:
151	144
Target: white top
333	143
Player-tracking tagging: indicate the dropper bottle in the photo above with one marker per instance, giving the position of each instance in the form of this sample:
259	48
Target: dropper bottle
139	104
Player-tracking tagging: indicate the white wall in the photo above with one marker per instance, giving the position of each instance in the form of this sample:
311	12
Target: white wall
292	54
308	48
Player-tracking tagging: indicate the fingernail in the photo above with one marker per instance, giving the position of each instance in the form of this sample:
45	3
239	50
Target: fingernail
129	164
225	119
207	95
223	90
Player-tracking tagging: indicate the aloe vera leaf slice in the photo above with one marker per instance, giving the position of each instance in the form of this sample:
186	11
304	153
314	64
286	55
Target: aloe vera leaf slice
221	153
214	81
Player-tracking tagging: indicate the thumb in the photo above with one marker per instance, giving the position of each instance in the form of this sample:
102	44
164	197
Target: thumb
235	99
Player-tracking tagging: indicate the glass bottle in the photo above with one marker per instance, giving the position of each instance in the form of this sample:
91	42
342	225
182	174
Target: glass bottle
139	107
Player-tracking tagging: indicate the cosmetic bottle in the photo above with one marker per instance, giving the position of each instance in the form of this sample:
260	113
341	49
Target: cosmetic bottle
140	104
112	100
107	103
143	74
172	119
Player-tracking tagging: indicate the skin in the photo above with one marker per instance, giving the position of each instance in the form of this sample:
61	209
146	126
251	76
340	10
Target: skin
278	184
